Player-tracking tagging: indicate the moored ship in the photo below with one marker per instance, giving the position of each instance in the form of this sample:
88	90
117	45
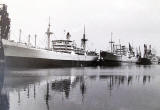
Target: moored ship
118	54
61	53
110	58
147	57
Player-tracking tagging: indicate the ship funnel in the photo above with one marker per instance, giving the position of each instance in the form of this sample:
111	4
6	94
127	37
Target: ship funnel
68	36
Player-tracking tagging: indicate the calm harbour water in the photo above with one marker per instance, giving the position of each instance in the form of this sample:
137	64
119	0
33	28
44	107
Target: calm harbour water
128	87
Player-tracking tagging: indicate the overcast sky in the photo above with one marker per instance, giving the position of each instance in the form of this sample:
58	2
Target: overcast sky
134	21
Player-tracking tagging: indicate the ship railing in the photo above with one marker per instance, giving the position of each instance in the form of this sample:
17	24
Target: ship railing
62	45
63	51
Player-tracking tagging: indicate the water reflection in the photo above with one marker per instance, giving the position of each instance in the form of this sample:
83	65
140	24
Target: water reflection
62	86
47	96
4	99
83	87
64	90
122	79
114	81
66	85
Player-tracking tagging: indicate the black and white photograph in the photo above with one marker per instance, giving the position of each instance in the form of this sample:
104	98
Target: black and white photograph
79	54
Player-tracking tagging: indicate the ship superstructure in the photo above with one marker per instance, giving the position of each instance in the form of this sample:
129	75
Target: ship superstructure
61	53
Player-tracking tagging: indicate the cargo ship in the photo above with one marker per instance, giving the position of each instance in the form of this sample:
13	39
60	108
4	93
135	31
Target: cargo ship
61	53
147	58
117	55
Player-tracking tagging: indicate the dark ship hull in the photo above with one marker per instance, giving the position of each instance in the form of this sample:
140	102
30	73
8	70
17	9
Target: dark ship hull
144	61
43	63
109	59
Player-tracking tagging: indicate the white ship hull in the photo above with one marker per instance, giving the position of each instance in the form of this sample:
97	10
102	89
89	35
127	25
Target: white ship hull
17	54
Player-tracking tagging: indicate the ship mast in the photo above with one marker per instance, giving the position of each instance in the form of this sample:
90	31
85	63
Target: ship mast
84	40
139	51
35	40
120	46
111	43
20	33
29	39
49	33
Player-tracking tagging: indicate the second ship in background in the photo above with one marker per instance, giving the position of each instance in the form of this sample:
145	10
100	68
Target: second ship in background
119	54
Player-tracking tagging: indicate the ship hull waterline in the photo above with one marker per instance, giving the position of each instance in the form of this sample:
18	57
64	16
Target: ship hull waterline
25	62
